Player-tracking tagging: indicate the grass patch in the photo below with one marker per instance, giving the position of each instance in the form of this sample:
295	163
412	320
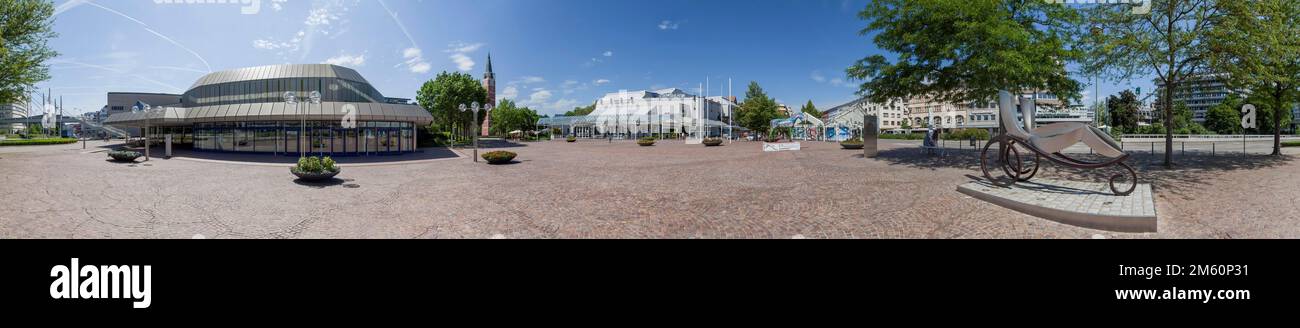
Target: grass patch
1291	144
36	142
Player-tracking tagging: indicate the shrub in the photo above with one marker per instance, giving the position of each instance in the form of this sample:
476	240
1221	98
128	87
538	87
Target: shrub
34	142
646	141
710	142
854	141
124	155
309	165
905	136
498	157
1291	144
571	139
966	134
327	164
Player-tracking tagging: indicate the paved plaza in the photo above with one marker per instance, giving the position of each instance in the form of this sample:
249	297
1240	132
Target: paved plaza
596	189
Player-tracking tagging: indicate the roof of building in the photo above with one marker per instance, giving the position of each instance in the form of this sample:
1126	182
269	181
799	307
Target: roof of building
274	111
280	72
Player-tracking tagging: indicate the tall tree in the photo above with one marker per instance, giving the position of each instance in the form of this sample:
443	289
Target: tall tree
443	96
1257	43
810	109
26	26
581	111
1225	118
964	51
758	110
508	117
1123	110
1170	40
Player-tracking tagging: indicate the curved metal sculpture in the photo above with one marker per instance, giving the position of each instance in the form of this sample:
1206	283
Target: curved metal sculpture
1017	169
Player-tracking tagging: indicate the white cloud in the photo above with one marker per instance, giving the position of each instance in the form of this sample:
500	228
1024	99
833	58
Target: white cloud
415	61
347	60
510	92
600	81
669	25
462	47
277	4
460	54
817	76
463	62
539	97
531	79
608	53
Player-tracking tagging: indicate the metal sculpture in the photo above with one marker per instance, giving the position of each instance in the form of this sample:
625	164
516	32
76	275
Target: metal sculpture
1048	142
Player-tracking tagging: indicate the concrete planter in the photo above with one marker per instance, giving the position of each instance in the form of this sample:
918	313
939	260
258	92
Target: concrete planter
315	177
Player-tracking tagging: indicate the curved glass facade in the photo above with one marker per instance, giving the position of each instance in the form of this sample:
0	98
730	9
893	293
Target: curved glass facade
320	138
272	91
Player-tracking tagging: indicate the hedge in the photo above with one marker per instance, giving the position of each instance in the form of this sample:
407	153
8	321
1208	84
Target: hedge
34	142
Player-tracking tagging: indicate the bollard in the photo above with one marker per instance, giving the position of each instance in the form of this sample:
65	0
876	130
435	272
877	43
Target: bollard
1212	146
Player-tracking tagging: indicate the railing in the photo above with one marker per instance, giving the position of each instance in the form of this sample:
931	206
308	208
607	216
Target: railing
1206	137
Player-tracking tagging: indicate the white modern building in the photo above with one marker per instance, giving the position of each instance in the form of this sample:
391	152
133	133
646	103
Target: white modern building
11	111
645	112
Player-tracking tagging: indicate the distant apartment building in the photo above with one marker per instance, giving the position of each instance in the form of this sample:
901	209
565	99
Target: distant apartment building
9	111
889	116
1200	93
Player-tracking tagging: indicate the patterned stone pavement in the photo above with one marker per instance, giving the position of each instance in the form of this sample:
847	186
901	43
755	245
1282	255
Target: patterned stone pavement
595	189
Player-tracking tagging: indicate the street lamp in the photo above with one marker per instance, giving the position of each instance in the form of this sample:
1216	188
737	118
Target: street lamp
314	99
291	99
474	106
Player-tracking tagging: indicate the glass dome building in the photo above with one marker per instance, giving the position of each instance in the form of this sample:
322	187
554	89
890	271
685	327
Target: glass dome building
244	110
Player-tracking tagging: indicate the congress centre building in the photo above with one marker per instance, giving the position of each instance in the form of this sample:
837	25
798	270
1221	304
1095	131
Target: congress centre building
245	110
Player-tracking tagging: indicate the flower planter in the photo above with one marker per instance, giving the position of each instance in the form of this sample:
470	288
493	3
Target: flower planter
571	140
712	142
645	143
851	145
315	177
499	157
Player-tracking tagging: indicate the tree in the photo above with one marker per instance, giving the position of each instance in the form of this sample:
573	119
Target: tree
581	111
907	125
758	110
965	51
25	28
1170	41
811	110
1123	110
443	96
508	117
1257	43
1225	118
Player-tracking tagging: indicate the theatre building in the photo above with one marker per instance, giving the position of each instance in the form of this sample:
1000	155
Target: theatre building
245	110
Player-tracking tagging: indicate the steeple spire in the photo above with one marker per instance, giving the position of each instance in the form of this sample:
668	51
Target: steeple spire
489	69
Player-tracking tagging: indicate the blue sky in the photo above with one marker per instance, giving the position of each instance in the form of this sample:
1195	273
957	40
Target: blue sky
551	55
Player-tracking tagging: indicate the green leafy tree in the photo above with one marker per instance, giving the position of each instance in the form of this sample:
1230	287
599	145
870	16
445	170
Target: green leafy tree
508	117
26	26
1257	43
758	110
1225	118
443	96
810	109
1122	110
581	111
907	124
1170	41
964	51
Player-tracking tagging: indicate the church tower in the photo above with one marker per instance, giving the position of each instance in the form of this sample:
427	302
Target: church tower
489	84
